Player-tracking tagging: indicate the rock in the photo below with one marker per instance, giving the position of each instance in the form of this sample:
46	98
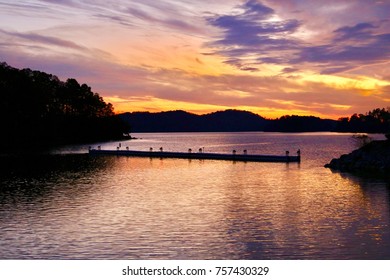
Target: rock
373	157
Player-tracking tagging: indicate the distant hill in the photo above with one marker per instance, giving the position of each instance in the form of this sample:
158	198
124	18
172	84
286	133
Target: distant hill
300	124
181	121
229	121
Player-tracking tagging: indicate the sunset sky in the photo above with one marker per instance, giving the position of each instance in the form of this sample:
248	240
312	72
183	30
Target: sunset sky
328	58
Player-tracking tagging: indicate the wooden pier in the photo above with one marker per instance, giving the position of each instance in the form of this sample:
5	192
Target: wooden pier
200	155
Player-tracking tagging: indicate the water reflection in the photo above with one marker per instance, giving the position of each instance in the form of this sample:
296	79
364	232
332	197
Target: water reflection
82	207
372	222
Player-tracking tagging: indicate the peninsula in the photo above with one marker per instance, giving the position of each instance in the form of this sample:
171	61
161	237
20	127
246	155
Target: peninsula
373	158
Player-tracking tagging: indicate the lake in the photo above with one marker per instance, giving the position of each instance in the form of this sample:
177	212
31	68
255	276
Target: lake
66	204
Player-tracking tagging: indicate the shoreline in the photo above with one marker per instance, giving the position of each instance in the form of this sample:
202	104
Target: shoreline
372	158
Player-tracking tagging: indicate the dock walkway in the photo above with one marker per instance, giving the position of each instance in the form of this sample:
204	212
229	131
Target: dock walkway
201	155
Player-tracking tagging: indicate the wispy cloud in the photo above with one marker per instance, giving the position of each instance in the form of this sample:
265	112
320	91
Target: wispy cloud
43	39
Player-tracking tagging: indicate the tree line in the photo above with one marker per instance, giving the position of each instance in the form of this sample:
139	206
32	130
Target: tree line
375	121
39	109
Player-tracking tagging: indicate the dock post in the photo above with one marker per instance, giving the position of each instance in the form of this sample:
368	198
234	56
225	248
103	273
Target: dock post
299	155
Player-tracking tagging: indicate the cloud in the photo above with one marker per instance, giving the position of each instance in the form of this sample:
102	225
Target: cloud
163	14
251	69
253	32
257	34
353	46
289	70
254	9
251	28
154	15
43	39
360	31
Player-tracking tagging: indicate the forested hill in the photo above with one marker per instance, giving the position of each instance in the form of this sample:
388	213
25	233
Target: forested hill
38	109
229	120
375	121
181	121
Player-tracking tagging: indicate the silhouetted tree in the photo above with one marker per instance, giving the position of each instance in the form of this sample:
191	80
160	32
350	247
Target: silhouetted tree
37	108
375	121
300	124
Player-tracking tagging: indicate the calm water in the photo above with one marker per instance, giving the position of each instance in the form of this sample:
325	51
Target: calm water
68	205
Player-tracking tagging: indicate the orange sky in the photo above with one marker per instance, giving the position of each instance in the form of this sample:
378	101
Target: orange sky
324	58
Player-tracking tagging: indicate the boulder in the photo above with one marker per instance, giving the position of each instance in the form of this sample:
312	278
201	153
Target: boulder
373	157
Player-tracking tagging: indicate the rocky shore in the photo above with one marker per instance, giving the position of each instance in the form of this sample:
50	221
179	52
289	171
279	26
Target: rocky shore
371	158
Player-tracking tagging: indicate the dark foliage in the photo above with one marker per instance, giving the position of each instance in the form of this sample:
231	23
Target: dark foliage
371	159
229	120
40	110
233	120
171	121
300	124
180	121
375	121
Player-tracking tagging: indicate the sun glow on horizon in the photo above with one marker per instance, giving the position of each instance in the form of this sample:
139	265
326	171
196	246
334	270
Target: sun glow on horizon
156	105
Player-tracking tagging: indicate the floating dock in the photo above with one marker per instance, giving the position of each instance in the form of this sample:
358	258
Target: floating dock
201	155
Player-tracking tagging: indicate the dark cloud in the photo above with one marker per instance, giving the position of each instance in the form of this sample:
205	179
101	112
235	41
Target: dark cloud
360	31
240	64
250	69
251	27
243	32
254	8
289	70
251	35
351	46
